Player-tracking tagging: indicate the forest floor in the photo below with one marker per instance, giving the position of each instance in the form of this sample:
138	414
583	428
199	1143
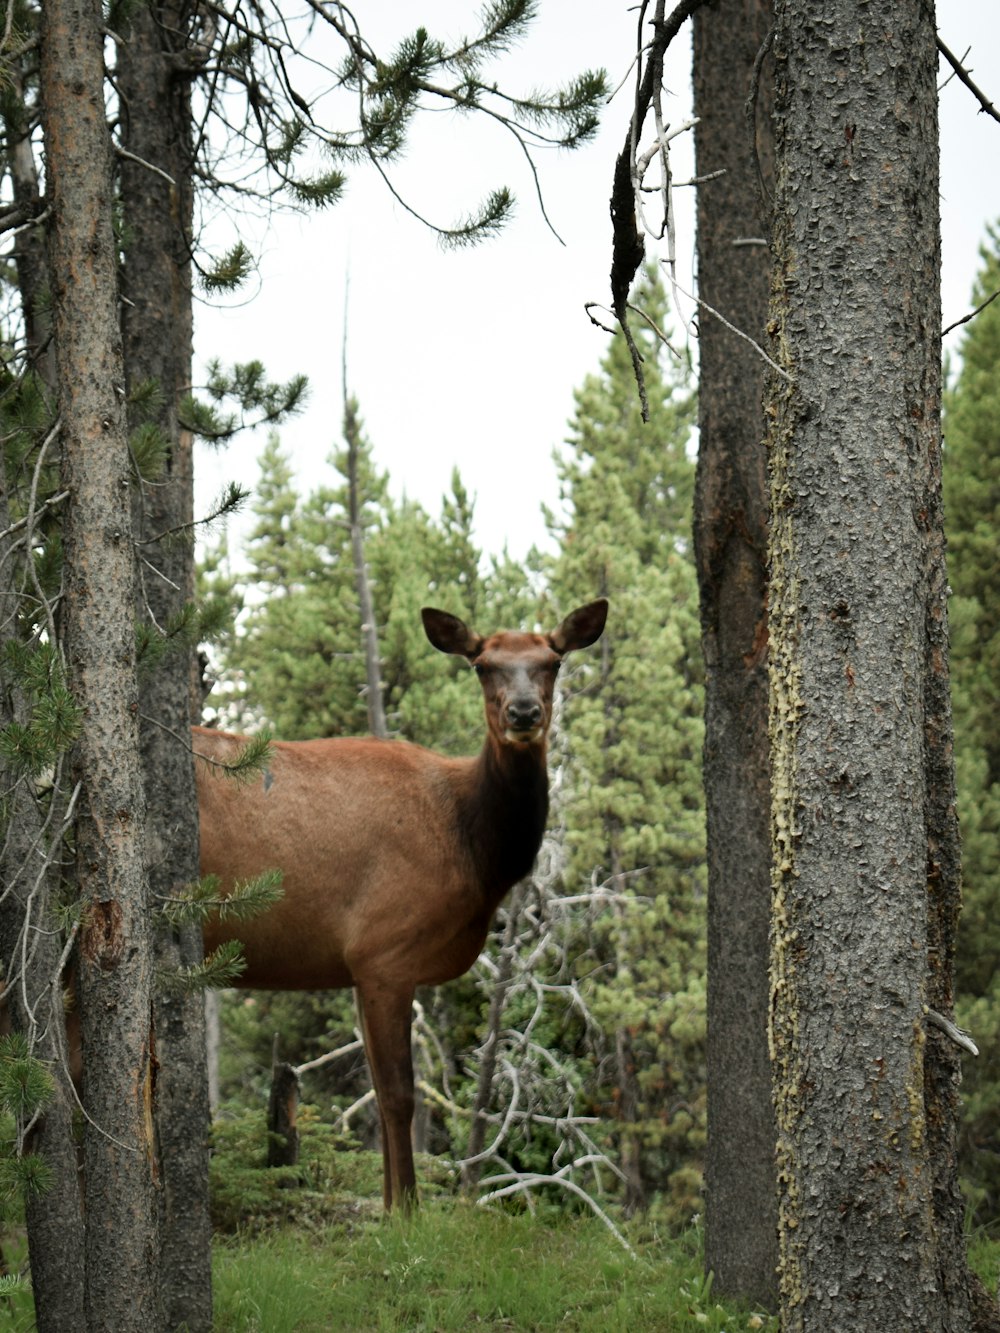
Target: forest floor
307	1250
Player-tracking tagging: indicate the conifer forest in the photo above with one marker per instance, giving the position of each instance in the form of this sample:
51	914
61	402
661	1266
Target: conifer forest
730	1054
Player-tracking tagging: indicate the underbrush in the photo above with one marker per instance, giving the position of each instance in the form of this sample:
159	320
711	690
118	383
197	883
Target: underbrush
334	1180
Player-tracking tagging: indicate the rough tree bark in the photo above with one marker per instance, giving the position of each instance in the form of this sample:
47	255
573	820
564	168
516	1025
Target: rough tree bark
157	208
730	535
865	857
98	606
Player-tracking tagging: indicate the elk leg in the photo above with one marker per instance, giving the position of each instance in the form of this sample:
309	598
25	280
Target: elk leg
386	1017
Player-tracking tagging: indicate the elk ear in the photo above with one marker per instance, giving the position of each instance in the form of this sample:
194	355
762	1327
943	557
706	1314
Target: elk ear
581	627
449	634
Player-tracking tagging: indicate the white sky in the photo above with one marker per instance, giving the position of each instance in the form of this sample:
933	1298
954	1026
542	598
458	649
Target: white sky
471	358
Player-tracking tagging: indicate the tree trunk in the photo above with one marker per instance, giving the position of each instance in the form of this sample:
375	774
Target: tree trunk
730	533
29	242
98	608
628	1102
282	1112
374	693
157	330
28	856
472	1167
870	1231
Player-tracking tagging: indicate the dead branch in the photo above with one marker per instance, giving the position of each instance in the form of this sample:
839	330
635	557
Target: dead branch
964	77
628	244
972	313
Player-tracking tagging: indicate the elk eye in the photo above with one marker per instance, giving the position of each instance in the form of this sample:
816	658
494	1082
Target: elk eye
479	669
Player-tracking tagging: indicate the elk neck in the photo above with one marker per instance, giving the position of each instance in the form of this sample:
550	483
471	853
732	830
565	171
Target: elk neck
502	807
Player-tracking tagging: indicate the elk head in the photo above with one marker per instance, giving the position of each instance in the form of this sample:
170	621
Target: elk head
517	670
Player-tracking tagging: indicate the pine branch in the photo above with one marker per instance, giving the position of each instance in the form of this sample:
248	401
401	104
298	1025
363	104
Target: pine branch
247	898
219	970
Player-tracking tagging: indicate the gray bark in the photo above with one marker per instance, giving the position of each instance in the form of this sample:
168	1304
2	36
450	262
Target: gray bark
98	607
730	531
868	1238
157	329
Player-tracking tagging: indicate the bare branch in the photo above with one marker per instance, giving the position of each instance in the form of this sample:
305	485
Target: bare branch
628	245
972	313
964	76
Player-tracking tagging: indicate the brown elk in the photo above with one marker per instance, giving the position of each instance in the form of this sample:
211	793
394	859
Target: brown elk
394	857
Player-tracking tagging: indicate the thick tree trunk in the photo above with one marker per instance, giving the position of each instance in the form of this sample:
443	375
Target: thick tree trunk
730	530
98	607
869	1228
157	328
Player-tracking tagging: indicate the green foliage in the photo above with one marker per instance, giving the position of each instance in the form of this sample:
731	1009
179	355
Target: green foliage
149	443
230	270
247	899
297	660
257	401
972	511
633	810
50	719
488	219
25	1089
17	1307
150	448
25	1083
198	622
222	967
332	1181
322	191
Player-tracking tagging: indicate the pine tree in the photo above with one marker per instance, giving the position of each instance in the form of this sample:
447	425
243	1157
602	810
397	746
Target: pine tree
633	808
971	490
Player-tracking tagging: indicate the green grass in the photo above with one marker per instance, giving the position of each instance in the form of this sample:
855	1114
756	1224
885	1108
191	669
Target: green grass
455	1267
307	1250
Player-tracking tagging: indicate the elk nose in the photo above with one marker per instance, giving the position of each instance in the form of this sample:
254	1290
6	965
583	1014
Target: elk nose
523	714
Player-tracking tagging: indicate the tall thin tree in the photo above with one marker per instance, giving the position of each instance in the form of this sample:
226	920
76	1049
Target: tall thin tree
114	961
